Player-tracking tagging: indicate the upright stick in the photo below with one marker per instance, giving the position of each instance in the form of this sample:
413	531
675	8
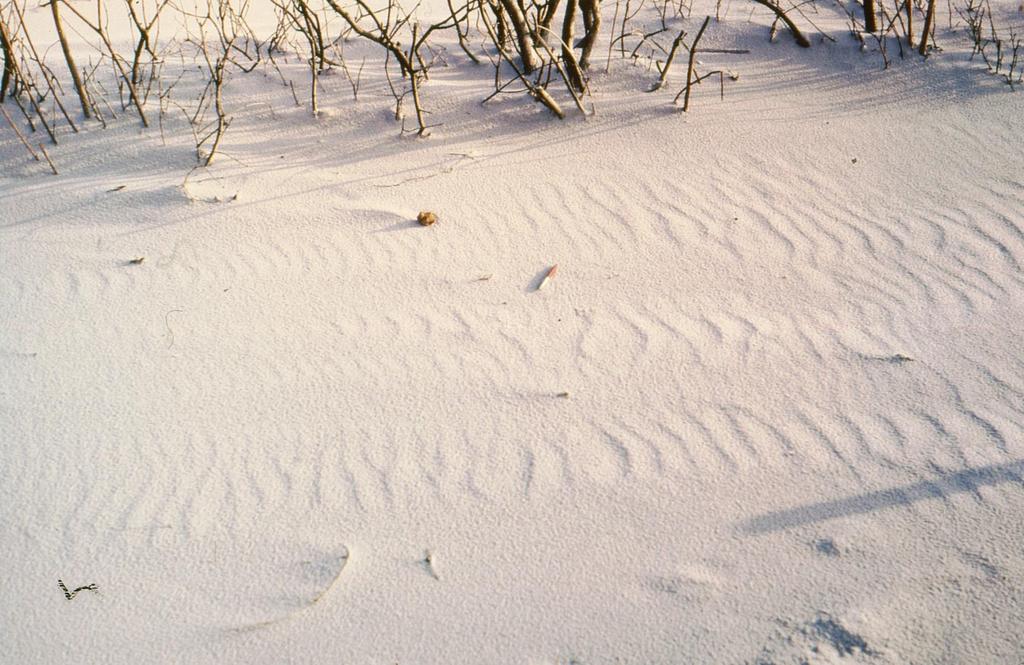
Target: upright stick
689	67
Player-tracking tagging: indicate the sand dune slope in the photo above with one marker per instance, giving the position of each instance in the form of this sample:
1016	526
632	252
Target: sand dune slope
770	408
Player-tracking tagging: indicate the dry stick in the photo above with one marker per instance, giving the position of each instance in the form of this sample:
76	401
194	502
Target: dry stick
21	82
1017	44
897	18
142	42
689	67
994	40
668	61
885	32
160	101
384	39
48	160
313	77
35	105
69	59
626	17
218	102
522	30
499	17
549	13
458	31
563	73
611	42
95	106
19	134
929	18
721	82
71	594
309	27
313	31
798	10
499	88
354	82
9	63
414	82
572	69
643	40
910	22
870	22
47	76
145	43
535	91
591	10
424	68
217	68
781	15
399	99
98	29
21	107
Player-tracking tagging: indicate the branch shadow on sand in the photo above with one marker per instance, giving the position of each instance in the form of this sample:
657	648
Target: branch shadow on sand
968	480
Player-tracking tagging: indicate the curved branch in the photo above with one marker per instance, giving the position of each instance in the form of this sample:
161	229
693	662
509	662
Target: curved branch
800	38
